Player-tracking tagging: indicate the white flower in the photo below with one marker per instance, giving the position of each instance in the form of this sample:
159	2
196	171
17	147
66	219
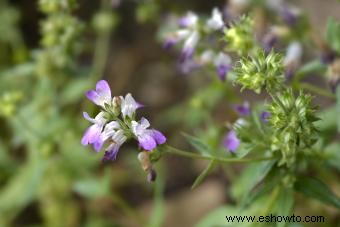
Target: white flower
293	54
216	20
129	106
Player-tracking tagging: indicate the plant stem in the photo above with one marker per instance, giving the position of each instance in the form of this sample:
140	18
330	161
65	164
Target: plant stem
316	90
101	49
175	151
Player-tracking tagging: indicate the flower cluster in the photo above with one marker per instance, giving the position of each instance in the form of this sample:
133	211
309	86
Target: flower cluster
60	32
116	123
292	119
239	37
264	71
196	35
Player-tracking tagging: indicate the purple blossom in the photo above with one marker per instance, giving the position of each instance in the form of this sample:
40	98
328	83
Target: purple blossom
265	115
189	20
231	142
289	15
101	95
148	138
243	109
189	46
222	63
92	134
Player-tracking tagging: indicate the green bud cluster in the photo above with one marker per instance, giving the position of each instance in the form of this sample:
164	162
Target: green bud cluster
292	119
239	37
60	32
52	6
8	103
262	71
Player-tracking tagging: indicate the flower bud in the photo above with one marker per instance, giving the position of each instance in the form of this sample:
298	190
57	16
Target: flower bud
261	71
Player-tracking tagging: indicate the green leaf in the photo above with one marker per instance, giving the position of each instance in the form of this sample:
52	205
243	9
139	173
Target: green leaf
74	91
22	187
204	174
217	217
333	155
316	189
284	204
333	34
252	176
197	143
338	104
260	191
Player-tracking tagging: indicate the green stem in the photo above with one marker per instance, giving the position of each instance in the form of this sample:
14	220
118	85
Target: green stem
316	90
175	151
101	49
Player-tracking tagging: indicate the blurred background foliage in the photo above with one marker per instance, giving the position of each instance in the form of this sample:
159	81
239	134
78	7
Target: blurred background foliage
51	52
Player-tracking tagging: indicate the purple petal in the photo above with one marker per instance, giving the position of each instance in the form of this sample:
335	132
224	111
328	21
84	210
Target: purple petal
103	89
186	54
264	116
231	142
158	136
222	71
91	135
288	16
243	110
147	142
111	153
94	97
169	43
87	117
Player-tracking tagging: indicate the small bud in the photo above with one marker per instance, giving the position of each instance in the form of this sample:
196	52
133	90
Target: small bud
144	160
239	37
151	175
260	71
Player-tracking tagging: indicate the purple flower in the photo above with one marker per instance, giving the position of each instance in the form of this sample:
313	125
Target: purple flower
289	15
189	20
243	110
265	115
101	95
148	138
93	133
129	106
118	138
222	63
189	46
231	142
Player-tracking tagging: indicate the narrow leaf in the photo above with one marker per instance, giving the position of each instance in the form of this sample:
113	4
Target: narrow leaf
316	189
338	105
197	143
204	174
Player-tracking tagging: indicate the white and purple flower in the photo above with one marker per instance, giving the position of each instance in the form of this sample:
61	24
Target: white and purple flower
230	141
129	106
243	109
215	22
93	133
222	63
102	94
116	123
148	138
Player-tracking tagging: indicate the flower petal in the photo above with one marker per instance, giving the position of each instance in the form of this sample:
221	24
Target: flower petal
103	89
94	97
91	135
158	136
147	142
87	117
231	142
111	153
